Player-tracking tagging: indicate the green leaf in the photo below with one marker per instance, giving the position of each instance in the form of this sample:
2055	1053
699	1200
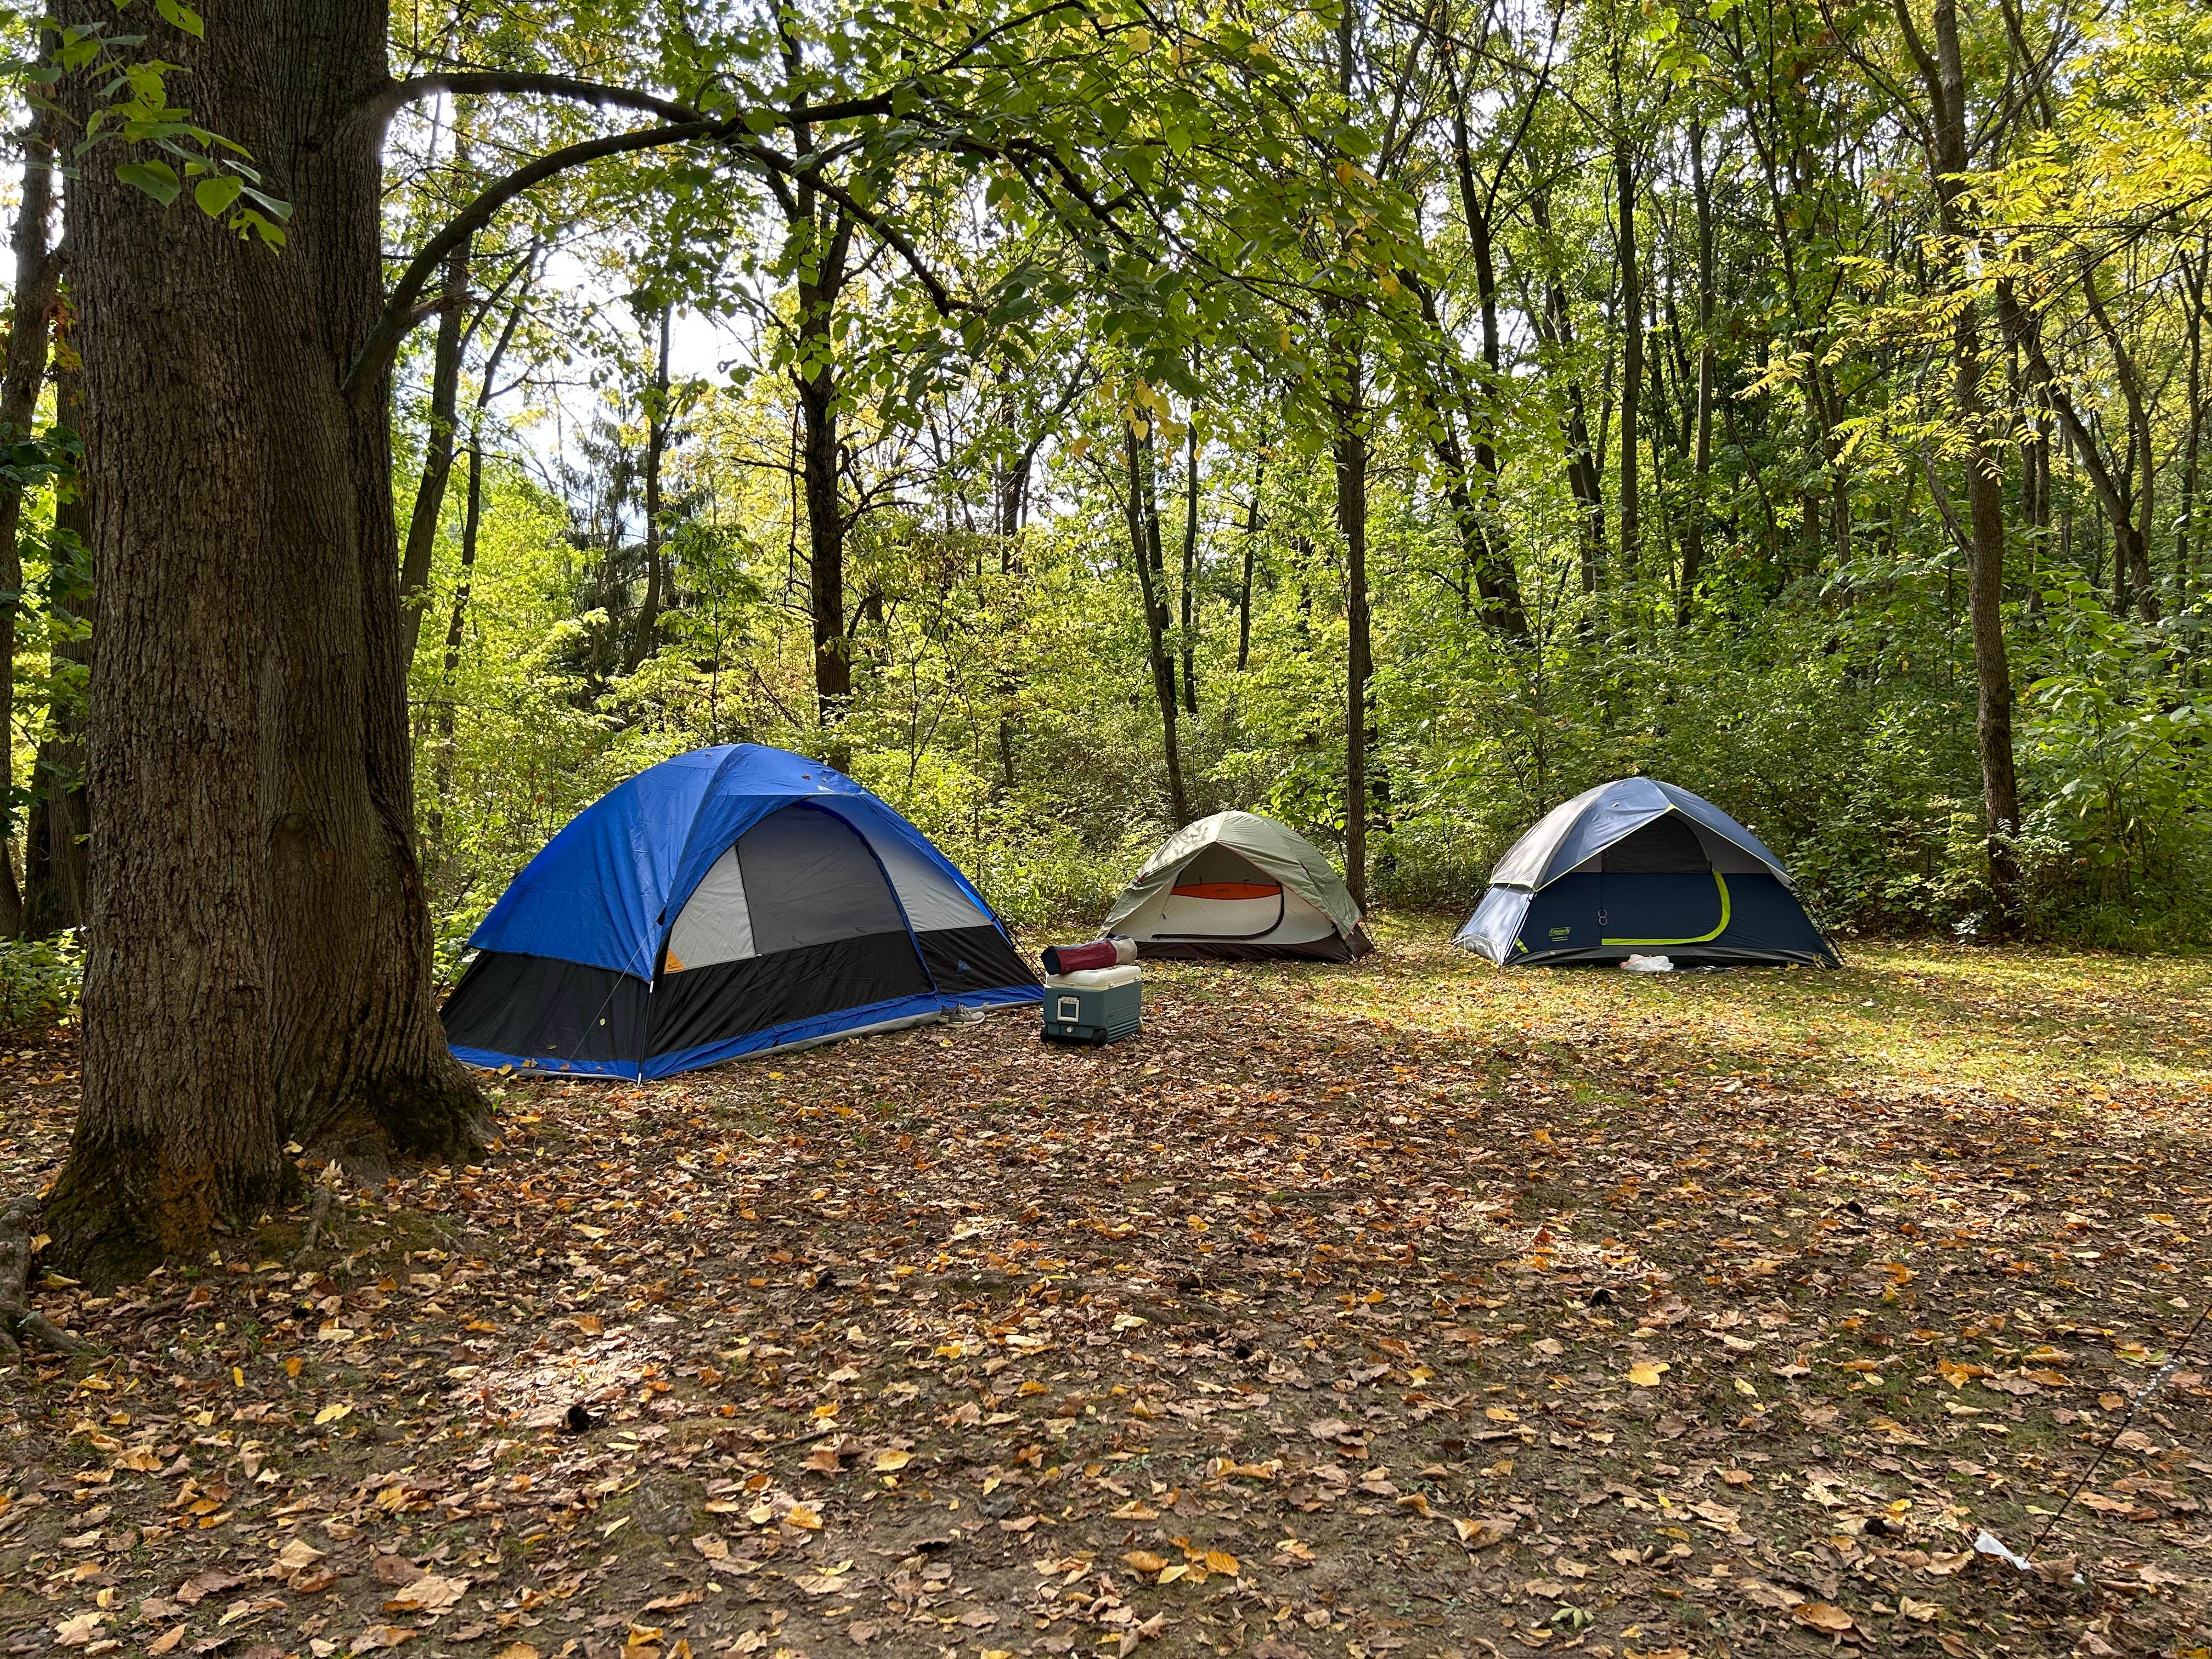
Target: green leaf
183	16
157	178
216	195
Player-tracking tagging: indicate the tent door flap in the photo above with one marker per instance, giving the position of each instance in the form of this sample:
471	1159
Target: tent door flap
1719	881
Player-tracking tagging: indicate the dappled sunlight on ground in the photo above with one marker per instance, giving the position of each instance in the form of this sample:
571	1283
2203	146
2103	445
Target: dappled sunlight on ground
1411	1308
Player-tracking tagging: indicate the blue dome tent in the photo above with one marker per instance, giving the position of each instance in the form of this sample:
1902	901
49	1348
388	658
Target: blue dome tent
727	902
1638	868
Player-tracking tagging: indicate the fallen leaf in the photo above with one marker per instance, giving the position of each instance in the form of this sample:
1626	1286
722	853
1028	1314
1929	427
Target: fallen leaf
1481	1532
1143	1561
890	1462
1777	1597
1329	1428
431	1593
1820	1615
1645	1373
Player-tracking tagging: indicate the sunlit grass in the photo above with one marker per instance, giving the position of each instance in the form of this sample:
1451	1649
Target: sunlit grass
2026	1021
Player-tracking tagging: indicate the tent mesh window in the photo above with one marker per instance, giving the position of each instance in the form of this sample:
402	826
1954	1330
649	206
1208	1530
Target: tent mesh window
1667	846
825	931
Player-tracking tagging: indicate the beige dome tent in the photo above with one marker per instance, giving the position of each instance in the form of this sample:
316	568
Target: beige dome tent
1237	887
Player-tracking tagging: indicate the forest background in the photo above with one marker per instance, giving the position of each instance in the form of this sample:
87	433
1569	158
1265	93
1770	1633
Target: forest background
1461	403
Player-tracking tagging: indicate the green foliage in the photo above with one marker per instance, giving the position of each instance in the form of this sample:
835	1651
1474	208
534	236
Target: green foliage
165	148
39	979
1070	225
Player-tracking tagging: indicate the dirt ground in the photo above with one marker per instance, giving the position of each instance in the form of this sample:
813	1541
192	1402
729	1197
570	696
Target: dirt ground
1411	1307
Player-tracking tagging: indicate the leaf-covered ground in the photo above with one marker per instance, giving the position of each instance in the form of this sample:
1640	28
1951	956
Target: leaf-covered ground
1411	1308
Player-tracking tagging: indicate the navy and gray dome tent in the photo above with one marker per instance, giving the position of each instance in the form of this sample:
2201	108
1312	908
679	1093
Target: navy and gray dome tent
1636	867
726	901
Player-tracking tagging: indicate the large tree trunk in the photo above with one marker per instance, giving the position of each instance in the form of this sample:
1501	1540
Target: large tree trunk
37	272
260	960
1143	511
816	378
1944	79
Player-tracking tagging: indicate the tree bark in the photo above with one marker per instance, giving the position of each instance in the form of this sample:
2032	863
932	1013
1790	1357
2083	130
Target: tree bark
2185	534
1701	458
1555	323
37	273
442	766
1944	79
1143	512
1348	451
2108	484
656	452
259	950
2132	531
437	452
1631	353
1497	583
827	233
1189	596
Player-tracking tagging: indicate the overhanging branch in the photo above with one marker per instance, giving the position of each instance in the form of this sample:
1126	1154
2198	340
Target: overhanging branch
396	96
382	346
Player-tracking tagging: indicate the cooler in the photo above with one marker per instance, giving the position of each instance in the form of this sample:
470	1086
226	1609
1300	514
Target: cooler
1097	1004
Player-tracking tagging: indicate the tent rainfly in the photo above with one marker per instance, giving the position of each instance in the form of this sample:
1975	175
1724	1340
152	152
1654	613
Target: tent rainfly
727	902
1237	887
1638	867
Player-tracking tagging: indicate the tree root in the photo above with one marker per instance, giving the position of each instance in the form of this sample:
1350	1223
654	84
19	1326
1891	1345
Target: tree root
318	1211
18	1318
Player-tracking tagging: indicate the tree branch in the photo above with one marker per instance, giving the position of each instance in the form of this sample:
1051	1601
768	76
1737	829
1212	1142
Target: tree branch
382	346
385	104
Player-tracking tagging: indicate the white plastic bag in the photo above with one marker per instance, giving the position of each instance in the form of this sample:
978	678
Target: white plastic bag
1649	965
